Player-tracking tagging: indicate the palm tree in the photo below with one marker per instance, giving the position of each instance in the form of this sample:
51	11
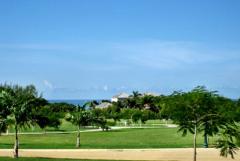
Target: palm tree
136	94
149	102
229	135
19	101
80	117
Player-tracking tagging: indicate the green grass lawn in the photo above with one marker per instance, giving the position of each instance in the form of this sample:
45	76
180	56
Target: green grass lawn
44	159
67	126
148	123
124	138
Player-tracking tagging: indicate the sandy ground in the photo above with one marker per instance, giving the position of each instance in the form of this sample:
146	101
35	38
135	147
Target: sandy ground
180	154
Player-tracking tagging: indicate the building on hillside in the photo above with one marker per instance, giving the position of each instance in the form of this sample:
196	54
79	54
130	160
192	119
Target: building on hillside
150	94
119	97
103	105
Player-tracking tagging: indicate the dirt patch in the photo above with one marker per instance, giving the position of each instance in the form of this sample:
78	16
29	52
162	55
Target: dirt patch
176	154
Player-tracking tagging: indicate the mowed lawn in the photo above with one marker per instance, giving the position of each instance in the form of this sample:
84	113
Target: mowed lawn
67	126
116	139
45	159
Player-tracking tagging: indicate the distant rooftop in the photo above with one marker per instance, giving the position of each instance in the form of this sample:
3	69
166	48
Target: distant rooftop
150	94
121	95
104	105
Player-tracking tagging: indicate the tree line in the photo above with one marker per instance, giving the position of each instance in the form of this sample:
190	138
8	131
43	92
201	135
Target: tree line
198	111
24	107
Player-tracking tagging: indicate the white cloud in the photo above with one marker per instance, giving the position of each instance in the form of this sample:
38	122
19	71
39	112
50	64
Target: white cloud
105	88
172	55
48	84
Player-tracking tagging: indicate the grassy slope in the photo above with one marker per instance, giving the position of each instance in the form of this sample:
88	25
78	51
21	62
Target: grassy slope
125	138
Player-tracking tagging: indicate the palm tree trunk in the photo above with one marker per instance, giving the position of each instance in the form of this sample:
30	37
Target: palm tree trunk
194	143
78	138
205	141
16	146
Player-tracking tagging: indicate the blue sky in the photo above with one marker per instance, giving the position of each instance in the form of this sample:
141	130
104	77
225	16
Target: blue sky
73	49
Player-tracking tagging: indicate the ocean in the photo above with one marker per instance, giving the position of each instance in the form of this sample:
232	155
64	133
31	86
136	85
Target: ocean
75	102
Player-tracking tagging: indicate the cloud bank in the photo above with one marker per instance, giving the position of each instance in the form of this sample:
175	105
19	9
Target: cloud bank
100	69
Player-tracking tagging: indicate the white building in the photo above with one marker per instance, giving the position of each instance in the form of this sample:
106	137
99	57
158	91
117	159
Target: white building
104	105
120	96
150	94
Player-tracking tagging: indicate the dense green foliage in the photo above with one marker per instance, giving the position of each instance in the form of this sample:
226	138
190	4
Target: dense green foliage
201	110
19	104
197	111
51	115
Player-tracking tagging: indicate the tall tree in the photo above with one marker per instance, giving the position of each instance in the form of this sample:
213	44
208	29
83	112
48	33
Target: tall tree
195	111
149	102
19	101
80	117
228	139
229	135
4	110
136	94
